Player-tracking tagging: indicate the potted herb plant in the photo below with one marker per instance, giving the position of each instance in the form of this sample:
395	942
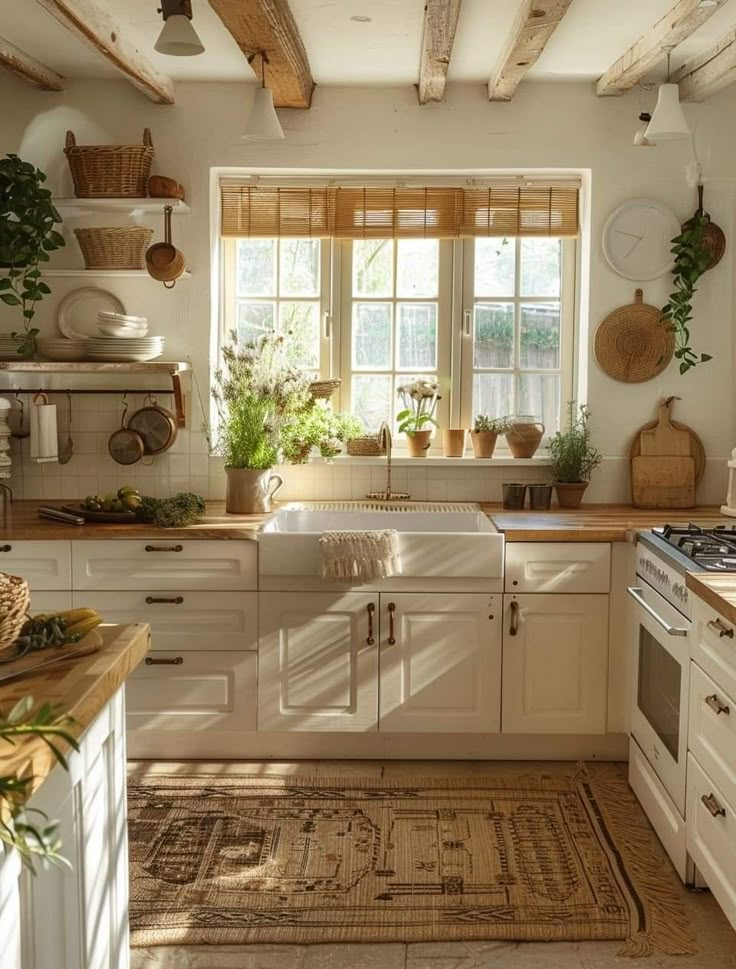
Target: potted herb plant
416	419
257	392
27	236
484	434
319	427
573	458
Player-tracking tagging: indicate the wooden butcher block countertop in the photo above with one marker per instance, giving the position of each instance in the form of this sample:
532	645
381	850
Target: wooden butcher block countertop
80	688
719	591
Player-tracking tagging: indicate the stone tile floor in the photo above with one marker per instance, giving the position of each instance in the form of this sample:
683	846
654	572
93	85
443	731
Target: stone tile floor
716	939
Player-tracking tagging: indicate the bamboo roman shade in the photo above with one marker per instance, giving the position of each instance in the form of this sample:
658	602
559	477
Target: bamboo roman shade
376	212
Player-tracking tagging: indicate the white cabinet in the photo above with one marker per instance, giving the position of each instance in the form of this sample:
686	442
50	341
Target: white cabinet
440	663
558	567
49	602
10	909
318	661
44	565
555	664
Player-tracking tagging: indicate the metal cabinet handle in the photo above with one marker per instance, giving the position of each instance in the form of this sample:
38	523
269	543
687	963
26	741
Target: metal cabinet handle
164	548
371	609
152	661
391	611
174	601
713	806
6	548
718	626
716	706
514	627
638	597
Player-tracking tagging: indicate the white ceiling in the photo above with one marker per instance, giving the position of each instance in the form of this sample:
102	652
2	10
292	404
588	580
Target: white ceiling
384	51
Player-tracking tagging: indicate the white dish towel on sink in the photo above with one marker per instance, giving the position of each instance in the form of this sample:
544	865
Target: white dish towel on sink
360	556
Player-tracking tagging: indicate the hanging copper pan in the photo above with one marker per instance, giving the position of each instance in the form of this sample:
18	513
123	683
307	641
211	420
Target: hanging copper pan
714	239
155	425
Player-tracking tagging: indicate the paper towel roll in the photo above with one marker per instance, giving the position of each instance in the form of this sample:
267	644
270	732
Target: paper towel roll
44	442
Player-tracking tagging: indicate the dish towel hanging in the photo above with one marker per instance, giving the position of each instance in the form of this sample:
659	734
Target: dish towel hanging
360	556
44	443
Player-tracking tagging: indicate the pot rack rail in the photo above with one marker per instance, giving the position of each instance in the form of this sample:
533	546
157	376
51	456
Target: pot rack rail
150	368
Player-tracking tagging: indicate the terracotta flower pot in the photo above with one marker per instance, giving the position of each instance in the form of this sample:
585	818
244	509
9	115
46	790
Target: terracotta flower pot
418	443
484	443
249	492
570	493
524	438
453	442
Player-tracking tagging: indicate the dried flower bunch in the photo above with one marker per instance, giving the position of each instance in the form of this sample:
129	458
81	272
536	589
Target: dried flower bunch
420	399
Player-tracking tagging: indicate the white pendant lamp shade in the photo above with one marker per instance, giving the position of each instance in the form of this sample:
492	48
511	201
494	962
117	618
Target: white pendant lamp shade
668	121
263	122
178	37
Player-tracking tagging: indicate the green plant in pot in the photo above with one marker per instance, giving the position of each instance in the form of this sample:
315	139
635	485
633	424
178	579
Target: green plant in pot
692	258
257	393
318	427
484	434
27	236
574	459
416	419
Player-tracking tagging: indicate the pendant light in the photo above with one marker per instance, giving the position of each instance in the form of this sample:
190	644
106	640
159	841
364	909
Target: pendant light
178	37
263	122
668	121
640	138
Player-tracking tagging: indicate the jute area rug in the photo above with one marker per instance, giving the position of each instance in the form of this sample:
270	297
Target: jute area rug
559	855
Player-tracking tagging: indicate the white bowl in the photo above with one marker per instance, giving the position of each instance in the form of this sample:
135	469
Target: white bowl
124	332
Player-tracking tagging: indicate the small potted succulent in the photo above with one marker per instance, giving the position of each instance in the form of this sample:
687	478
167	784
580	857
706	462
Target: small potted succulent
416	419
484	434
574	458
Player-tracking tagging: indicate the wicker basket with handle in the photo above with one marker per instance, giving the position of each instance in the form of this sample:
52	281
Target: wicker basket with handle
14	602
365	447
114	248
324	389
110	171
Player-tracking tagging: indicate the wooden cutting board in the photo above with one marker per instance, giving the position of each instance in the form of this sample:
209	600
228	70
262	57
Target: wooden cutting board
44	659
667	462
664	438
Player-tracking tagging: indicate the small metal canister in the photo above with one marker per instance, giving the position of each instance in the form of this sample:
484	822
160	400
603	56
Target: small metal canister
540	496
514	495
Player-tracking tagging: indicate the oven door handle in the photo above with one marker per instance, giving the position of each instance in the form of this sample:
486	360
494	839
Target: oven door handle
638	596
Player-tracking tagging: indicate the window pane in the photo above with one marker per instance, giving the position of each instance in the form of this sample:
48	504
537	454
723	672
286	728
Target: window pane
373	267
493	394
540	267
371	336
299	267
493	344
417	335
372	400
417	267
256	267
539	394
299	323
540	336
495	260
255	319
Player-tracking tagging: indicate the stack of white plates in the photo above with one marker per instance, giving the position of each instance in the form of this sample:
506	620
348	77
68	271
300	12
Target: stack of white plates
121	325
132	349
8	347
56	348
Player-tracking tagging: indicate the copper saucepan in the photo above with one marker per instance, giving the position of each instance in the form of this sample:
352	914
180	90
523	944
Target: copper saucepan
164	261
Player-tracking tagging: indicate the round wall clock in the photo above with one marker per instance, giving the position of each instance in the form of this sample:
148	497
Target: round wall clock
637	239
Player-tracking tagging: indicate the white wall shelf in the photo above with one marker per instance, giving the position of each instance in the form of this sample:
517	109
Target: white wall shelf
131	205
103	273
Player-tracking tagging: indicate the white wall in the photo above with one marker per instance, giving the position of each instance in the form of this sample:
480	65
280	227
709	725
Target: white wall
547	126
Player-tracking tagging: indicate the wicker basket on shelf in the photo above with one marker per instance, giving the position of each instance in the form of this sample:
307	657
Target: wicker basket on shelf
110	171
324	389
365	447
14	602
114	248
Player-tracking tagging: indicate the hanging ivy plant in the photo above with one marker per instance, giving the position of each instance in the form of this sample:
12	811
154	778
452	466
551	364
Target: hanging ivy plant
692	258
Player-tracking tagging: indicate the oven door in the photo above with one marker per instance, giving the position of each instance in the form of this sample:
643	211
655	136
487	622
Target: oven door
661	687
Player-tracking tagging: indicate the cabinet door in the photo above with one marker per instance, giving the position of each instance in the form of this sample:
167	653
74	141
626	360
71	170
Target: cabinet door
555	664
10	910
440	663
44	565
317	661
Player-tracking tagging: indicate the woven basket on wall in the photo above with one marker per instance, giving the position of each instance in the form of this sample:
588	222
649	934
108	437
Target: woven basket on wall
110	171
324	389
365	447
14	602
114	248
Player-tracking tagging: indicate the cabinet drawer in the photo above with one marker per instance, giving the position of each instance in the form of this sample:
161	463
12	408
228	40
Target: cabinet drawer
558	567
663	815
711	836
714	647
50	602
183	620
712	730
164	563
193	692
44	565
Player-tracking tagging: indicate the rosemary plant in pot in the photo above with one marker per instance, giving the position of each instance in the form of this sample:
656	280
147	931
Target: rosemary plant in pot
257	393
574	458
416	419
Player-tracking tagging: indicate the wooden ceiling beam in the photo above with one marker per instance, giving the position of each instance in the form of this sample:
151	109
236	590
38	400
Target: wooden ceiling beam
14	59
682	20
440	23
92	24
269	25
707	73
535	23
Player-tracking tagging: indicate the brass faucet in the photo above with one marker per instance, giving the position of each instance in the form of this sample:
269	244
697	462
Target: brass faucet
385	442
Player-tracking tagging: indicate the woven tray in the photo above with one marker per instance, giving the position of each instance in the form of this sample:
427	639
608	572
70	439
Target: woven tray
114	248
106	171
633	344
